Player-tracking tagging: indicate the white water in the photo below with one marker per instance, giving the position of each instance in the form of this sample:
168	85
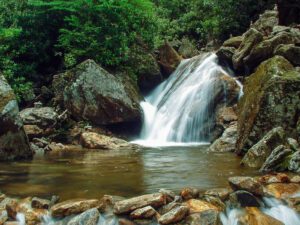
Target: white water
181	109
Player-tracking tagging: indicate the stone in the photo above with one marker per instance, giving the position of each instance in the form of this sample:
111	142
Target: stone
14	143
91	93
209	217
89	217
189	193
274	178
168	59
33	131
124	221
39	203
12	209
197	206
168	193
216	201
227	142
295	179
42	117
143	213
266	22
243	199
166	208
74	206
234	42
93	140
246	183
175	215
255	217
293	144
257	154
289	12
226	116
3	216
294	162
188	48
269	100
281	190
250	39
222	193
290	52
294	203
275	162
126	206
225	55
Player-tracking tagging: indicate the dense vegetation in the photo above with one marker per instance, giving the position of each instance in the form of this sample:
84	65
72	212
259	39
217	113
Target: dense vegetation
41	37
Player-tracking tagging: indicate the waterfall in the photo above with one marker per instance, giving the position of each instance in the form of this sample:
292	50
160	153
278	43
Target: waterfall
181	109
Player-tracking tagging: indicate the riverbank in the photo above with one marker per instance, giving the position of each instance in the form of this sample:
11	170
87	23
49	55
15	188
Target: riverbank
248	200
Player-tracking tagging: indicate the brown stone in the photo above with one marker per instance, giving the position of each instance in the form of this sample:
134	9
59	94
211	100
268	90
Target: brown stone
281	190
255	217
175	215
197	206
143	213
246	183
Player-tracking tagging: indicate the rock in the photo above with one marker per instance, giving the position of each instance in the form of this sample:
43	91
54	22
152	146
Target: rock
294	162
274	178
188	48
290	52
143	213
294	203
123	221
40	203
89	217
266	49
243	199
226	116
168	60
42	117
91	93
3	217
234	42
222	193
227	142
12	209
209	217
175	215
13	140
246	183
198	206
129	205
293	144
255	217
269	100
75	206
295	179
93	140
276	159
33	131
281	190
216	201
166	208
108	202
250	39
170	194
266	22
225	55
189	193
289	11
257	155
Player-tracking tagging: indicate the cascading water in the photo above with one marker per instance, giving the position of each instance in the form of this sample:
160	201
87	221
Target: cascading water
181	109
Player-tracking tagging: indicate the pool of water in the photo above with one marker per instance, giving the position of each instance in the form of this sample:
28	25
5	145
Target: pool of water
91	174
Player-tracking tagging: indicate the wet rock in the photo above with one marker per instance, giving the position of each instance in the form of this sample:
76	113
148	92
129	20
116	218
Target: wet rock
288	12
93	140
254	217
243	199
89	217
250	39
166	208
227	142
13	140
42	117
276	159
274	178
40	203
225	55
290	52
168	60
129	205
257	155
270	96
266	22
3	216
197	206
188	48
175	215
189	193
91	93
294	162
246	183
234	42
209	217
143	213
216	201
294	203
281	190
70	207
222	193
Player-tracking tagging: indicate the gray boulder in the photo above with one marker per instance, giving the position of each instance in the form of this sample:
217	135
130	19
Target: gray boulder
294	163
42	117
13	140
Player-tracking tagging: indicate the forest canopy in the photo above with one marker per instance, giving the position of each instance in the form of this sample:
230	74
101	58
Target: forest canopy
42	37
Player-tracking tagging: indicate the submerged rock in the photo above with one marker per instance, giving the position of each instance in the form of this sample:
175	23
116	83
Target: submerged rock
270	97
13	140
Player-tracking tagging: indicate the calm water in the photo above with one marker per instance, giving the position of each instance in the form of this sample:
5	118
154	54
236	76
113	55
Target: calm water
125	173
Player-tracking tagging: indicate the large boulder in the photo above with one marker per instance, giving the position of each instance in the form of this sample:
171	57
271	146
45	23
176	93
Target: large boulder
43	117
289	11
290	52
271	99
91	93
266	22
13	140
234	42
294	163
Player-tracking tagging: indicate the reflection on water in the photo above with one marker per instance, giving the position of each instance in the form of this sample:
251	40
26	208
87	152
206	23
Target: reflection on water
125	173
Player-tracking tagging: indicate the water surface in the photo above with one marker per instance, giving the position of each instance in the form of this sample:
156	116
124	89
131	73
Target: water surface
127	173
